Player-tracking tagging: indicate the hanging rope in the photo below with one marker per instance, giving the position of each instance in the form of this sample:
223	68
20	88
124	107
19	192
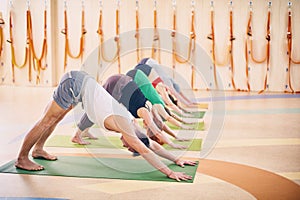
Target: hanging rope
65	31
192	41
12	48
1	33
117	37
289	48
227	60
137	33
2	23
249	50
37	61
156	41
232	38
100	33
101	52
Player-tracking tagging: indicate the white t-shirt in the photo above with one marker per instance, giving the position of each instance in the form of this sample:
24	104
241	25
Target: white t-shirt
99	104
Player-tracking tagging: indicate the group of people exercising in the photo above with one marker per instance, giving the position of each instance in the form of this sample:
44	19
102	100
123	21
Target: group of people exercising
145	92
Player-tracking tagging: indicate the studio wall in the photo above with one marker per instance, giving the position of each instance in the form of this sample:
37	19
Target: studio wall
235	68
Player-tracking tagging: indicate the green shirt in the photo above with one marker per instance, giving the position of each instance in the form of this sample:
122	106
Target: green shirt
145	86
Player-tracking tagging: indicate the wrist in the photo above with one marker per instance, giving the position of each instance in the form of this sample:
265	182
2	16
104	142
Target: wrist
169	173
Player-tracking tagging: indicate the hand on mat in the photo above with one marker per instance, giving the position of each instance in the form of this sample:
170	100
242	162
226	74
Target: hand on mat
181	163
177	146
178	176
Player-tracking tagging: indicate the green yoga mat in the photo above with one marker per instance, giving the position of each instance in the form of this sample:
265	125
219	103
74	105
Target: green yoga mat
110	142
200	126
196	114
89	167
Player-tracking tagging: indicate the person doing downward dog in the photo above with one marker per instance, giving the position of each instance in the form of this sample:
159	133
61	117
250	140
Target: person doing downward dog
126	92
151	94
164	81
102	109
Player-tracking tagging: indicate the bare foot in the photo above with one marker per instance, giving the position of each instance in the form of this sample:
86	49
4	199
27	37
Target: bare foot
41	154
26	164
88	135
79	140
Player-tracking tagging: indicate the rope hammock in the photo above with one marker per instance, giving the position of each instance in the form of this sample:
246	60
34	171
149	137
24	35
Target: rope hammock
228	59
289	48
37	61
192	41
137	33
2	23
156	41
12	48
65	31
249	50
1	34
101	52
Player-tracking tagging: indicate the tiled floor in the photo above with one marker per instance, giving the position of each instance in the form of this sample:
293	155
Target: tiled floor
256	156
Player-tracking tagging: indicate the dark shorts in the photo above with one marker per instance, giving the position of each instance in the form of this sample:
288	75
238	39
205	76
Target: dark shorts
68	92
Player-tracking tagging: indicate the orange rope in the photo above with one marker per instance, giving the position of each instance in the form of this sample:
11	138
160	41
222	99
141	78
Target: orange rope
37	60
67	46
251	51
117	38
100	33
211	37
231	50
247	66
13	56
191	41
156	42
101	52
191	47
137	34
289	51
173	35
1	33
251	43
227	59
268	38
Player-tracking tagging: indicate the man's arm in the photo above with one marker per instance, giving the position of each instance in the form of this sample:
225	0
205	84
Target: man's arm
150	157
145	114
159	150
162	112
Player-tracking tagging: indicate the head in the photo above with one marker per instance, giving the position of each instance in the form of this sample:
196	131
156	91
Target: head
144	61
176	87
142	138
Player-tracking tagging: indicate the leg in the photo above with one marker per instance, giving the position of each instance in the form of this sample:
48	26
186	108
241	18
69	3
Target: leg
38	151
40	132
78	137
88	135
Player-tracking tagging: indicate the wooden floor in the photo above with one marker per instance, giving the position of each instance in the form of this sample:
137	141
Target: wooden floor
251	151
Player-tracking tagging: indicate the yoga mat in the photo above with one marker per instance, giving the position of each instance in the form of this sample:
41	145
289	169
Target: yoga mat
89	167
200	126
197	114
111	142
202	105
